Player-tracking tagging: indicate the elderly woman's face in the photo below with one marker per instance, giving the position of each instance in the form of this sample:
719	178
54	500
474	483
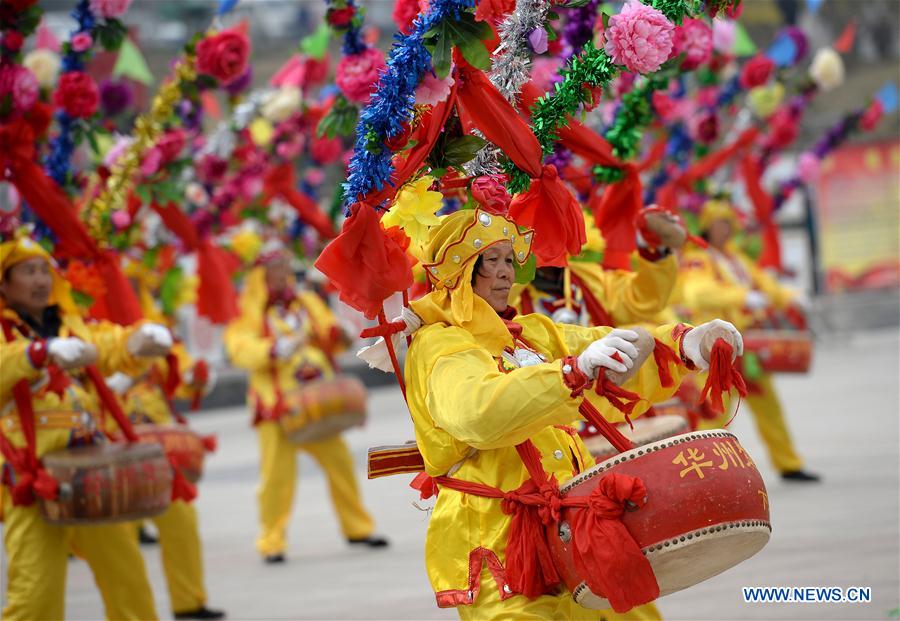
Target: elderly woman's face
26	286
495	276
719	233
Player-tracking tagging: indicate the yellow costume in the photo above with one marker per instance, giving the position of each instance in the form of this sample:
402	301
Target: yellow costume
178	528
716	284
36	551
469	415
249	341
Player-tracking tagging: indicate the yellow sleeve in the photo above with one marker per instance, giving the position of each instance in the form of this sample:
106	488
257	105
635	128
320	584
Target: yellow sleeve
780	296
246	348
325	329
703	292
15	366
631	297
112	346
473	401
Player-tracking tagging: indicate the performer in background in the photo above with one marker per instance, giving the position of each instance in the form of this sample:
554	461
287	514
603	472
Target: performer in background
44	344
285	338
722	282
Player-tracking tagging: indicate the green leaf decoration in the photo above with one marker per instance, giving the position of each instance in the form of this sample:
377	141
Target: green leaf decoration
131	64
476	54
111	34
316	44
460	150
82	299
752	368
169	289
743	44
525	272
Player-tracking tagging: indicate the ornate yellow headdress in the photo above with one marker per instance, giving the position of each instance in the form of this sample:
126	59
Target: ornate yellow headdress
22	249
718	210
451	254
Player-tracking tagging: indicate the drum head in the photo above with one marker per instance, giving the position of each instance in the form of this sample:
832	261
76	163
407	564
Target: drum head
646	430
326	427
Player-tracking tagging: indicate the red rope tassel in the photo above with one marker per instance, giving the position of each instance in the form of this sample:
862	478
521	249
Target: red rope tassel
109	401
182	489
621	399
723	376
664	356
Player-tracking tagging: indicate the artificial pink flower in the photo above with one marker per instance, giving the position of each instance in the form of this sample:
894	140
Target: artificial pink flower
211	169
544	71
663	105
808	167
120	219
13	40
783	129
82	42
433	90
723	34
151	161
25	89
109	8
639	37
314	176
694	39
357	74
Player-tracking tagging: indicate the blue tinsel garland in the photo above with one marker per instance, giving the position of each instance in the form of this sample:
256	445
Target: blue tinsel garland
61	147
392	103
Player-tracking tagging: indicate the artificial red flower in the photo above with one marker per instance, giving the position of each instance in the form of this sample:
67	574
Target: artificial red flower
870	118
491	194
171	144
326	150
13	40
20	5
783	128
340	18
223	56
756	72
77	94
405	13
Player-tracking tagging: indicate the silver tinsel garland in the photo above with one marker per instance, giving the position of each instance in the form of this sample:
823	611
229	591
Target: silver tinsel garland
510	68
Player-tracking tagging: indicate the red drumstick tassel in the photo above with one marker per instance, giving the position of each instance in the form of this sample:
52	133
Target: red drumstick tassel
664	356
723	376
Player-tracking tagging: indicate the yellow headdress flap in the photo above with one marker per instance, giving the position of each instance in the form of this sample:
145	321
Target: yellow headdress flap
451	252
718	210
22	249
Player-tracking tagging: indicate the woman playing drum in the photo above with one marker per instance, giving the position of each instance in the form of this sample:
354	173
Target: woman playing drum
44	342
483	385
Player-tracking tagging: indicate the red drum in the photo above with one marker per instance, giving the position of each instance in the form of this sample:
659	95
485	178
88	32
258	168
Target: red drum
781	351
108	483
183	447
324	408
646	430
707	510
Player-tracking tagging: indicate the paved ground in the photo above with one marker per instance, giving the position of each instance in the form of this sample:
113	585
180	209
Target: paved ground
843	532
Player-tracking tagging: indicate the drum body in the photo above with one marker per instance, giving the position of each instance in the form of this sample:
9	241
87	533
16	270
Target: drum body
781	351
183	446
707	510
323	408
108	483
646	430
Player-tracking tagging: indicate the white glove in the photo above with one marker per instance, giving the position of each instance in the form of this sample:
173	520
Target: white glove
287	346
599	354
151	339
119	383
70	352
756	300
693	341
564	315
376	355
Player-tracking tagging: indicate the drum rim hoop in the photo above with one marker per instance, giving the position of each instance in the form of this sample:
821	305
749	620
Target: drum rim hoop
684	539
639	451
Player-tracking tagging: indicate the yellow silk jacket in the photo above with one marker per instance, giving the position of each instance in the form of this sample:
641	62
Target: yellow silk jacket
249	340
469	416
714	284
60	416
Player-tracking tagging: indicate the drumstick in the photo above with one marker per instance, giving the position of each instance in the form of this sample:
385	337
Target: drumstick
710	338
644	344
